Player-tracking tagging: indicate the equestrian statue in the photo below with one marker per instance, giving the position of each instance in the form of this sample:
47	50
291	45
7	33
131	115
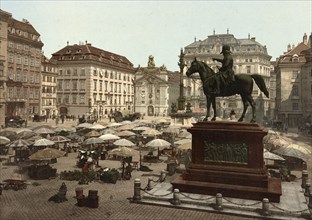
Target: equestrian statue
226	83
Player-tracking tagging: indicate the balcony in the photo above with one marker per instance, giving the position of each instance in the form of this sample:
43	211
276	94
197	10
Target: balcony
15	100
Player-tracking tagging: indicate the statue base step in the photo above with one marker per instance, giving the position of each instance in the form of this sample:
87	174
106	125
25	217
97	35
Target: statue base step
272	192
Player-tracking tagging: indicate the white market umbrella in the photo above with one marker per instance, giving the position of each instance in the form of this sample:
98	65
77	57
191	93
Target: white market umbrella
151	132
93	140
158	143
23	130
43	142
19	143
126	122
108	137
59	139
141	128
97	127
294	150
44	130
124	142
123	152
47	154
126	127
85	125
4	140
271	156
114	124
125	133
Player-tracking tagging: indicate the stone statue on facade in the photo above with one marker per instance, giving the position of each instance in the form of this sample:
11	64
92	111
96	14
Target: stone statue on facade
151	62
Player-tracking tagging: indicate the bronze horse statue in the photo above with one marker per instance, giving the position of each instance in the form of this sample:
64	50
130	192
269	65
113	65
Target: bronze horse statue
242	85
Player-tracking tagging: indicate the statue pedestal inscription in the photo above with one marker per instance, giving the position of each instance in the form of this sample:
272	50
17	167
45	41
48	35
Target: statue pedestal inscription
227	158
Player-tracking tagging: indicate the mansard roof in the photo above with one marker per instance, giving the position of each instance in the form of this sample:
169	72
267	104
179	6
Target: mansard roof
221	39
23	26
296	51
23	30
87	51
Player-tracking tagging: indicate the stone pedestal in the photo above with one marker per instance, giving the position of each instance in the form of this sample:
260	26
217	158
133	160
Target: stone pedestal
227	158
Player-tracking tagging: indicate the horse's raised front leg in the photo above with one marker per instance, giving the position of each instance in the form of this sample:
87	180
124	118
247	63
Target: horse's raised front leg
213	101
245	103
208	107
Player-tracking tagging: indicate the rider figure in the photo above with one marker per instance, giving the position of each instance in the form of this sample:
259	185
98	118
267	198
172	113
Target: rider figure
226	71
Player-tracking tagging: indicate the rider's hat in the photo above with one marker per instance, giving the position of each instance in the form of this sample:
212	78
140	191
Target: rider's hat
226	48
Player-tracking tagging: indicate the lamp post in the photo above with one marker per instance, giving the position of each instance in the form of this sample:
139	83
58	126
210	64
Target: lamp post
181	99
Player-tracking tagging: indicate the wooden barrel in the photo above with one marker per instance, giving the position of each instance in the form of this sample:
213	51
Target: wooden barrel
93	193
93	199
79	191
81	200
93	202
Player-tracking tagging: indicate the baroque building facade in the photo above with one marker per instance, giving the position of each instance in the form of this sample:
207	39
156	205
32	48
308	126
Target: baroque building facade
294	84
4	17
156	88
92	81
23	70
49	73
250	57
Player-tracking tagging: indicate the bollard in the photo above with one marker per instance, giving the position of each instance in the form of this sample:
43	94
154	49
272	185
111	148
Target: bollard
265	207
162	176
219	201
304	178
310	202
176	197
149	183
307	189
304	165
137	190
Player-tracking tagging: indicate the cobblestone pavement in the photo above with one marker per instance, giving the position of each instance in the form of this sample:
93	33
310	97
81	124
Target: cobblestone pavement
32	203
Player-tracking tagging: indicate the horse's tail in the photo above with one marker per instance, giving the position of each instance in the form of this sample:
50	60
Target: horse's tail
261	84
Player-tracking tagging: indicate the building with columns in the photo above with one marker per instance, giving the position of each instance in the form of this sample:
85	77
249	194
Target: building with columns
250	57
49	73
23	69
294	84
92	81
156	89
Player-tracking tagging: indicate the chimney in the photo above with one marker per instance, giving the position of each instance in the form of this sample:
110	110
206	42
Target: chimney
67	43
288	48
305	39
253	39
293	46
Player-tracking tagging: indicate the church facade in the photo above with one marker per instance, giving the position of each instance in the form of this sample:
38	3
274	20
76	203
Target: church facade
155	89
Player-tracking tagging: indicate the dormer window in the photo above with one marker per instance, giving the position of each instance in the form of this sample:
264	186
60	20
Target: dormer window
295	58
68	51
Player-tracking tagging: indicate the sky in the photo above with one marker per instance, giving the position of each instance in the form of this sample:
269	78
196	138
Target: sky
137	29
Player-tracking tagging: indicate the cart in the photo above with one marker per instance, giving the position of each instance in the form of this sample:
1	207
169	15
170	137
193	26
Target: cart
14	184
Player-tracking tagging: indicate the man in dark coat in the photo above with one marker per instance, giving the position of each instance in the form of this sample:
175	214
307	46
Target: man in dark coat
226	73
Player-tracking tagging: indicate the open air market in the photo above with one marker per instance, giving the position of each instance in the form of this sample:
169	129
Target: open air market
104	158
217	124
